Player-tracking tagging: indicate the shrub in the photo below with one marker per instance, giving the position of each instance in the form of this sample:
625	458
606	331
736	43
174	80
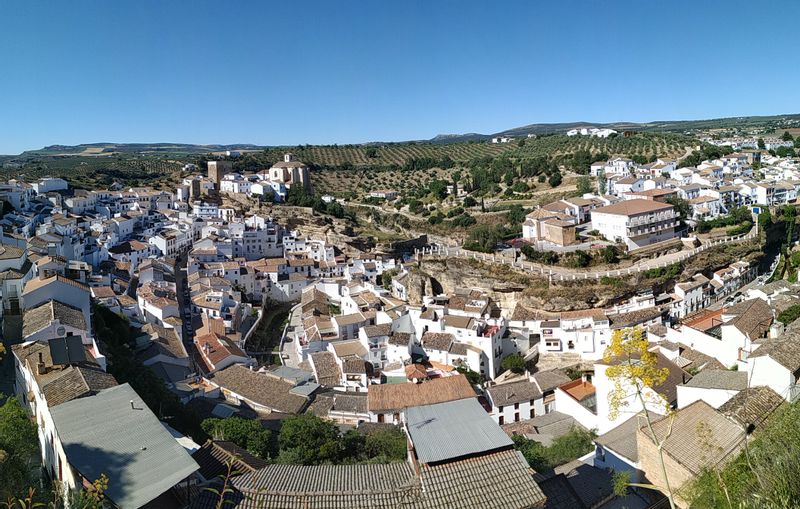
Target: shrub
514	363
789	314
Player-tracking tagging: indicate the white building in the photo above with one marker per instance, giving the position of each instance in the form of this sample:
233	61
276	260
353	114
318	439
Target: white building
636	223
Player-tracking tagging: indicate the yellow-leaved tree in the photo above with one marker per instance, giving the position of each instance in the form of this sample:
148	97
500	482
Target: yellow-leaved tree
635	373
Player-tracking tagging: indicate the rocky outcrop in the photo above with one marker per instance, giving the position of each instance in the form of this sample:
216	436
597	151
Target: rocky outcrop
505	286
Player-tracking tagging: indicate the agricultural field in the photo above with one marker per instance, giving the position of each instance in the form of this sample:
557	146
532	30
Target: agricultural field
97	172
644	144
342	182
382	154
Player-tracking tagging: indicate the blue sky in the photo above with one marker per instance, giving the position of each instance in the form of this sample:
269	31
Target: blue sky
349	72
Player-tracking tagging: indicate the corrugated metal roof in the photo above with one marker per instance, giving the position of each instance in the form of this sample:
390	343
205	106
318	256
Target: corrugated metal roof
102	434
452	430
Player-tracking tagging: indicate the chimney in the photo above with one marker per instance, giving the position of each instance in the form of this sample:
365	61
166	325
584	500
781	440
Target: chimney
41	368
132	407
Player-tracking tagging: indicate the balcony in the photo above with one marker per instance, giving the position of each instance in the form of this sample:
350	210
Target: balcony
636	232
651	218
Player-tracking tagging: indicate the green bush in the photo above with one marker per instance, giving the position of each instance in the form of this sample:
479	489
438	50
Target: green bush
514	363
246	433
789	314
564	449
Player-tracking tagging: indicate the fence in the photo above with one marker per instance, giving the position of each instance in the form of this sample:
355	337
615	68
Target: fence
567	274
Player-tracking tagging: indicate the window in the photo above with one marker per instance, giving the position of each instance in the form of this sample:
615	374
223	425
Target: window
500	420
516	417
516	406
533	412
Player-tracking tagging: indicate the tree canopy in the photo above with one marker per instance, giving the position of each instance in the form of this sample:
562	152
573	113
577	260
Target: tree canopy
19	448
514	363
246	433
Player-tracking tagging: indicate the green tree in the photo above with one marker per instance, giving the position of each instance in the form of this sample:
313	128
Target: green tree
570	446
371	152
438	188
555	179
246	433
761	144
682	207
789	314
581	161
19	448
483	238
516	215
609	254
584	185
386	445
473	377
514	363
602	183
787	136
306	439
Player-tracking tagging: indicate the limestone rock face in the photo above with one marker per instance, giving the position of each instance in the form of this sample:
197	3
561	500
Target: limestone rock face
506	286
418	285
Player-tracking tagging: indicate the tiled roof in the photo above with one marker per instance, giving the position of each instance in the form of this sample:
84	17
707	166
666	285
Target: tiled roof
36	283
348	348
215	455
8	252
549	380
560	494
102	292
622	439
633	207
499	480
399	338
753	317
354	365
75	382
326	368
635	317
437	340
164	341
261	388
389	397
785	352
514	392
214	348
373	331
39	317
493	481
700	436
719	379
752	406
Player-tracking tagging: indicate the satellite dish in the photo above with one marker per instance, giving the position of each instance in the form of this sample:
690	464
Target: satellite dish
61	331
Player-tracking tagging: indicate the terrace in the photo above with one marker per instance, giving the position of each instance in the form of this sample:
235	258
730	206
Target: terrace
583	392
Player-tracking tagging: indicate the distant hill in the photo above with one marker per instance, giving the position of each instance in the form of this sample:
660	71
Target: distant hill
657	125
156	149
100	149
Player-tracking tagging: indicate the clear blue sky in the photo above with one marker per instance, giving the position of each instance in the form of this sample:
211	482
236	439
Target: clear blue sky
348	72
